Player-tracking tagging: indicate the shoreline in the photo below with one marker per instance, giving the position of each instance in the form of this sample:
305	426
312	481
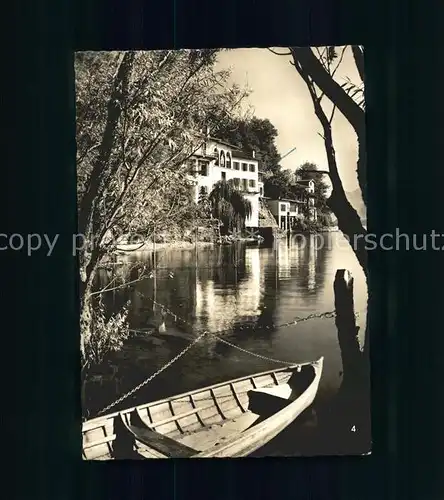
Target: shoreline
151	247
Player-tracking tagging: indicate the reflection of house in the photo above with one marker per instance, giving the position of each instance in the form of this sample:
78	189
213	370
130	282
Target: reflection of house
283	261
311	263
216	160
219	309
286	211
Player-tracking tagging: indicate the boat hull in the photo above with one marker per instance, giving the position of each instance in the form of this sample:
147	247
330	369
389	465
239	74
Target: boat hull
230	419
129	247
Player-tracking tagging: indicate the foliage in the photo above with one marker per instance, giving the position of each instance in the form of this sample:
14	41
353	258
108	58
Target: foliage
253	134
305	225
229	205
278	184
260	135
139	117
107	333
355	91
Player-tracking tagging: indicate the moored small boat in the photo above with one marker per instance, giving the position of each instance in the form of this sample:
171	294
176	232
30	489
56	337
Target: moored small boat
129	247
230	419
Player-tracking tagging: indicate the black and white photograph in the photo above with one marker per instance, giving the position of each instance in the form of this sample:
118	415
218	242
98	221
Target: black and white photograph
222	246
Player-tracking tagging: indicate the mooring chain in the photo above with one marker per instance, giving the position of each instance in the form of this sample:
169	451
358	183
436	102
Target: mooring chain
294	321
327	315
154	375
260	356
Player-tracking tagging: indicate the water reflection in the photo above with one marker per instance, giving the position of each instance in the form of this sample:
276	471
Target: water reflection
230	287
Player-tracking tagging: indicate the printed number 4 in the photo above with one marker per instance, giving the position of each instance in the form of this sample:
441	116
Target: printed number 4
353	429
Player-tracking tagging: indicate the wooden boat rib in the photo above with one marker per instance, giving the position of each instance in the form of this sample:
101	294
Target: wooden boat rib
230	419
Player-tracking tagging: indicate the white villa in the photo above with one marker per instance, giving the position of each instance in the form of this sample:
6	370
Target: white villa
216	160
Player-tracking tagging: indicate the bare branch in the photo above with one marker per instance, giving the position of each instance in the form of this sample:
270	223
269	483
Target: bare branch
348	219
123	285
346	105
279	53
341	57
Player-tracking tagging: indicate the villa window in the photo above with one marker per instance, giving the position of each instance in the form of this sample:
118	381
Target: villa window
252	183
245	184
223	176
252	168
236	165
191	165
204	149
283	207
203	168
261	190
228	165
244	167
236	182
216	156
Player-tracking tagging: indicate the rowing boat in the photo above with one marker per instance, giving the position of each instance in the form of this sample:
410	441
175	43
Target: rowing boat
230	419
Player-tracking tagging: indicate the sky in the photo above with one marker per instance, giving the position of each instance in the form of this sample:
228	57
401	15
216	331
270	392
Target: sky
279	94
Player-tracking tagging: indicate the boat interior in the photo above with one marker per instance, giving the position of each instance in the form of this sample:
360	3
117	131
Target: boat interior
188	424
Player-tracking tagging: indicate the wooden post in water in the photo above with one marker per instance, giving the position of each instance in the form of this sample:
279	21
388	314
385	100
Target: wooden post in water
346	324
354	395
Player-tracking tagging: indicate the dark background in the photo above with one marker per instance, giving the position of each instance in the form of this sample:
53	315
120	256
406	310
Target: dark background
40	389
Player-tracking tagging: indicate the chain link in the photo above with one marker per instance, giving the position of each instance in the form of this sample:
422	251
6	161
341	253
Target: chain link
328	315
260	356
294	321
154	375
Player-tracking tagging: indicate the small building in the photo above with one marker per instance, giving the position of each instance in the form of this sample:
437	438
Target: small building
308	184
287	211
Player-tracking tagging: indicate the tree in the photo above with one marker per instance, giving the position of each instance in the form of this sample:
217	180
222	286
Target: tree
229	205
308	171
279	183
253	134
317	67
138	122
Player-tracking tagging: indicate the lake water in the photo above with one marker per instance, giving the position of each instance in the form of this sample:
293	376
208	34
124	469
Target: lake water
246	291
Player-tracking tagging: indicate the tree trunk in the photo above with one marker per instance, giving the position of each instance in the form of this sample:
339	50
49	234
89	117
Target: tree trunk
324	81
86	318
96	180
349	222
311	70
359	60
350	225
348	219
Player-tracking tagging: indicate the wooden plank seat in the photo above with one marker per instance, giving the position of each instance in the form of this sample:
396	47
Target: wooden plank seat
163	444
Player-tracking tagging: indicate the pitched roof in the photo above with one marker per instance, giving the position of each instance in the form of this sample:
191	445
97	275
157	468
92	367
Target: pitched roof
305	181
243	155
